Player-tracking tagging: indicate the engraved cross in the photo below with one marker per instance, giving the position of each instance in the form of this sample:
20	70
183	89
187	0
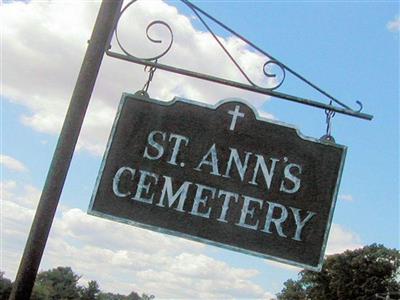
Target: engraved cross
235	114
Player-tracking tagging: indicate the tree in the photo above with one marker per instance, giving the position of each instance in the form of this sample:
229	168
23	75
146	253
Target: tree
5	286
147	297
293	290
58	283
61	283
91	292
358	274
131	296
41	291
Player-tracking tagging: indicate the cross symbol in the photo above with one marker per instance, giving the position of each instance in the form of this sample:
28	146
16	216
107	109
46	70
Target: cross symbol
235	114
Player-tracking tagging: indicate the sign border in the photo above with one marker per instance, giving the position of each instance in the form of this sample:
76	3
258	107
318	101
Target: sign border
144	97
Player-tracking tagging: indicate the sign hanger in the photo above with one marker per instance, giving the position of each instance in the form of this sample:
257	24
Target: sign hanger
203	16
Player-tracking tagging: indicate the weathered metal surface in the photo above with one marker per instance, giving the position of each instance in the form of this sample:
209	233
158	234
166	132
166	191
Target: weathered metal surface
243	86
220	175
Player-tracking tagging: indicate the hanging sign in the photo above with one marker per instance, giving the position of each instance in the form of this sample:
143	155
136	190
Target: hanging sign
220	175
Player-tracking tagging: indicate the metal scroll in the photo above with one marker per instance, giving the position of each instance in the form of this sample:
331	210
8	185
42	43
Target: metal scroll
333	105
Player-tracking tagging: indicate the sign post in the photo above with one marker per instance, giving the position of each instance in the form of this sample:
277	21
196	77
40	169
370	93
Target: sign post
220	175
99	41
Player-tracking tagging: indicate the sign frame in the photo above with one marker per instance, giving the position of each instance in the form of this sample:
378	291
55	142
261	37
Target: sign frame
144	97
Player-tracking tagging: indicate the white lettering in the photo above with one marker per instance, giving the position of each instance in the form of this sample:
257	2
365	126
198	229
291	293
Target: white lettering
268	174
234	156
143	186
225	206
249	212
292	178
178	140
154	144
213	163
167	191
300	224
199	199
278	221
117	179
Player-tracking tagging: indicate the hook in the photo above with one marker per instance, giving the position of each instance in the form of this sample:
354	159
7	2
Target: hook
329	116
151	71
360	105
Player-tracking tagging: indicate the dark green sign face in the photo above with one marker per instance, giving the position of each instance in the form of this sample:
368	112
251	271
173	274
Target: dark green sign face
220	175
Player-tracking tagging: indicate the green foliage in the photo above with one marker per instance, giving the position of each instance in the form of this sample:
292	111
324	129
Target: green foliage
5	286
358	274
58	283
131	296
111	296
61	283
293	290
40	292
90	292
147	297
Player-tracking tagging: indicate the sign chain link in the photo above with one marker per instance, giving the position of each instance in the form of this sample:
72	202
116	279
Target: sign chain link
329	116
151	71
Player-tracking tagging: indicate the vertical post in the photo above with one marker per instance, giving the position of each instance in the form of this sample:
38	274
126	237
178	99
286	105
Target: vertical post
62	157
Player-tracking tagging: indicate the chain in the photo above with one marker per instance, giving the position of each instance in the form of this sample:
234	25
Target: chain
329	116
151	71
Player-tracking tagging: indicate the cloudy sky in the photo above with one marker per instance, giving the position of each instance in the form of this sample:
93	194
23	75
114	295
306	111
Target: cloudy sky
348	48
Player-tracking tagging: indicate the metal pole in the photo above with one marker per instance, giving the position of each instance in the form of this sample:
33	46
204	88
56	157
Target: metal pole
62	157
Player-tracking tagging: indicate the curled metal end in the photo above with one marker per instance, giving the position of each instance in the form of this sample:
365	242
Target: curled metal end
151	39
360	106
269	74
158	22
150	25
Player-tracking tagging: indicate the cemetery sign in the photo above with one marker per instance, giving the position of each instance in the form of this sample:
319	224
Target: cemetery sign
221	175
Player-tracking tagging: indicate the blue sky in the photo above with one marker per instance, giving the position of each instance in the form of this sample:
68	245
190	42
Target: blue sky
348	48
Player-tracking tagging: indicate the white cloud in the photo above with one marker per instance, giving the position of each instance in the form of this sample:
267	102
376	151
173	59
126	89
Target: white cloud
346	197
16	216
27	195
12	163
44	43
394	25
123	258
341	239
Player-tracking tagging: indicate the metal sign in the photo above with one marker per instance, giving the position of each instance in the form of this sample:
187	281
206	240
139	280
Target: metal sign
220	175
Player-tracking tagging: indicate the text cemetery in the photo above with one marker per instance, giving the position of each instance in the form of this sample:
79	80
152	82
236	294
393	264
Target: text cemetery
142	186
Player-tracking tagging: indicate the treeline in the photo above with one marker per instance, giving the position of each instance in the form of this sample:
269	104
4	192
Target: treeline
368	273
62	283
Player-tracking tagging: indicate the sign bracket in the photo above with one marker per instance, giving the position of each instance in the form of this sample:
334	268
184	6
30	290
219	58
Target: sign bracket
272	61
